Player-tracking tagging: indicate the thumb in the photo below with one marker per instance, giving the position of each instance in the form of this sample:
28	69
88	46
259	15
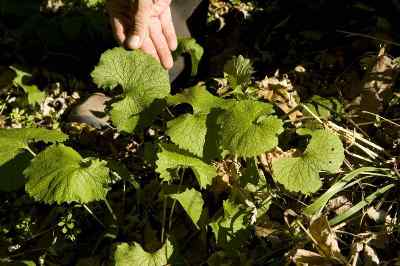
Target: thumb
141	19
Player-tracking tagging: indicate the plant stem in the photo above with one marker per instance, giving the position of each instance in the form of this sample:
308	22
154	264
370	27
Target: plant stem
110	210
94	215
30	151
174	202
164	217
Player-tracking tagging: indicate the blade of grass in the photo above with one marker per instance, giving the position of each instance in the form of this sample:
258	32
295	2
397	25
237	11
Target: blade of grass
356	208
317	205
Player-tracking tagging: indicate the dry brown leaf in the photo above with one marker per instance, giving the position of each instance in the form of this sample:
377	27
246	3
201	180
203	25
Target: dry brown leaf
227	172
325	238
304	257
379	216
370	256
377	83
339	204
281	93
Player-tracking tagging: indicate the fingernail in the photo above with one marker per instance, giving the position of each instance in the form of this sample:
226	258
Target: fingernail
134	42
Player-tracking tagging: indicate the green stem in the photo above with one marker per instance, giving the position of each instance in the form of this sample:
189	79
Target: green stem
30	151
164	219
174	202
110	210
93	215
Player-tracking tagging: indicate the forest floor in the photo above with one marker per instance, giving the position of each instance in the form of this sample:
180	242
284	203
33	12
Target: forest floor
322	64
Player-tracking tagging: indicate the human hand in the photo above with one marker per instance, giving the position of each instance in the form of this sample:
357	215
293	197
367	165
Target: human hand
144	24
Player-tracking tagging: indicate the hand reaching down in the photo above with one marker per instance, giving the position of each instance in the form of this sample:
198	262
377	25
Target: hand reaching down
145	25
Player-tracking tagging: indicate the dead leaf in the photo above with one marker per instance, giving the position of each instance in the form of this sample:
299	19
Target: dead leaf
305	257
339	204
370	256
325	238
282	93
376	85
379	216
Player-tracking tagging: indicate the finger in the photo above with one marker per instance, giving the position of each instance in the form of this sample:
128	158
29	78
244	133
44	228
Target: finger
168	29
149	48
160	6
141	21
118	30
160	43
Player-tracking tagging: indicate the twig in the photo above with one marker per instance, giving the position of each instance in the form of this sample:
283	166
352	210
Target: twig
381	117
357	34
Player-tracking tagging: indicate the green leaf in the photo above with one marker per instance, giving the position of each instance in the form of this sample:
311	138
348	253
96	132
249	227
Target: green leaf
301	174
233	221
11	176
142	79
189	132
199	98
196	132
170	158
59	174
238	71
192	202
323	107
134	255
248	128
14	140
35	96
191	47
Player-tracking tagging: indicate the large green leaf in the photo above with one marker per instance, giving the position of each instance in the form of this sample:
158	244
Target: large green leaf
14	140
192	203
142	79
192	132
59	174
301	174
35	96
248	128
134	255
170	158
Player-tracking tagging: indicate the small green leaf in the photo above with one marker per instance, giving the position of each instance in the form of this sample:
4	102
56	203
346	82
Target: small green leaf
192	201
323	107
248	128
59	174
35	96
142	79
190	46
226	227
239	71
14	140
301	174
170	158
134	255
